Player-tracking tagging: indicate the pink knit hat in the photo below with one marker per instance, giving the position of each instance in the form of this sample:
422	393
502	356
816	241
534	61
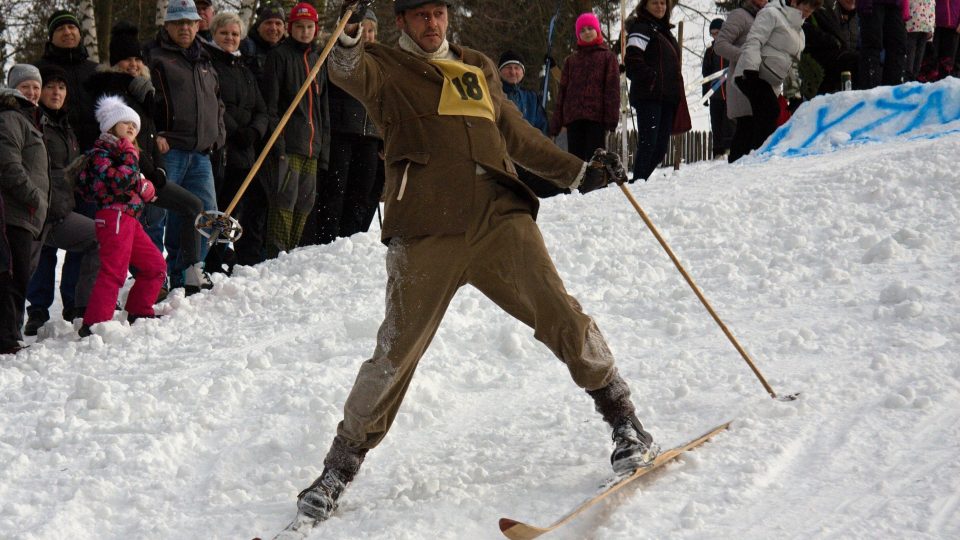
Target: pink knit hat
588	20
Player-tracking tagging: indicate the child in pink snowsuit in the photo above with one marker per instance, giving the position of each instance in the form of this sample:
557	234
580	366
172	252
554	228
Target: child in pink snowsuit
111	179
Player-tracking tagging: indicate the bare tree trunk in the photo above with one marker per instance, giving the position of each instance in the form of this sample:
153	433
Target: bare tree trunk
247	10
88	29
161	11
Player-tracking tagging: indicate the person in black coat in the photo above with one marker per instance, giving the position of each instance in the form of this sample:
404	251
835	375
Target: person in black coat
349	192
266	33
656	85
245	117
827	38
64	227
64	49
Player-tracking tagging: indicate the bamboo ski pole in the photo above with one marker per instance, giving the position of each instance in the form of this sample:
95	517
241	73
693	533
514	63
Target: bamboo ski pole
703	299
286	118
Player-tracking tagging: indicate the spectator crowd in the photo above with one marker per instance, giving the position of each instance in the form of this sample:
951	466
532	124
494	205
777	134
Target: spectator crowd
111	164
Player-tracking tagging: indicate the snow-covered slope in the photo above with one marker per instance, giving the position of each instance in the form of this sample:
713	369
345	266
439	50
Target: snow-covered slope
839	273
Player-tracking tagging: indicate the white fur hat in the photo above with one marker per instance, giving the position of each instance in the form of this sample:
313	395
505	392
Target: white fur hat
112	110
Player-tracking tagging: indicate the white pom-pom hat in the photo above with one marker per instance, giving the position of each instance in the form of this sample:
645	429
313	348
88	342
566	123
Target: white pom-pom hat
111	110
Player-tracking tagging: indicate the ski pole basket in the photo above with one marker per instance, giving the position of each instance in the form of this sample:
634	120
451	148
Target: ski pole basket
218	227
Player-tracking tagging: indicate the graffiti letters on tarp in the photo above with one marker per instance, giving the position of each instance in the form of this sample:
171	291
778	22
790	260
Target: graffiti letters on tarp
901	111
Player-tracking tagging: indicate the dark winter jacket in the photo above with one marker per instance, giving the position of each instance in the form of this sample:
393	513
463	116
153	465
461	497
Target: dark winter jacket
80	104
112	176
115	83
589	89
827	34
712	63
307	133
245	115
5	255
254	50
189	112
865	7
62	149
653	60
528	103
831	34
348	116
24	170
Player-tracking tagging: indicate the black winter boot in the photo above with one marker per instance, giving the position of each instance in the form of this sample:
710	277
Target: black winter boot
35	319
339	468
634	447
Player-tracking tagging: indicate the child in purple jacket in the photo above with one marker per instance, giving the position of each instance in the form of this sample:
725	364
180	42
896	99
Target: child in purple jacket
588	103
111	179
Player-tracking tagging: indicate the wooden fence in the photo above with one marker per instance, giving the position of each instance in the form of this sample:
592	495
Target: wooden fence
693	146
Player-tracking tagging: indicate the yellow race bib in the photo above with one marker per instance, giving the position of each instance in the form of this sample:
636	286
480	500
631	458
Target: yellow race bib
465	91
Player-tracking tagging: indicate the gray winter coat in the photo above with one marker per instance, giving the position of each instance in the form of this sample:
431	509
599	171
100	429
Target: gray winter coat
732	35
773	44
189	112
24	173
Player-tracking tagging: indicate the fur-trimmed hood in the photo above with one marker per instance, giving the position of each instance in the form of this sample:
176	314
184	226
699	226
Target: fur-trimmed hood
11	98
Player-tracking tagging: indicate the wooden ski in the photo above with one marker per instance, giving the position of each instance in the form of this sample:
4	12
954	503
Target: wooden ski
516	530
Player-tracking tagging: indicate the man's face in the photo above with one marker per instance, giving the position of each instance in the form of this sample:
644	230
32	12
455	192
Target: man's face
426	25
66	36
53	95
271	30
512	73
206	15
303	31
368	31
182	32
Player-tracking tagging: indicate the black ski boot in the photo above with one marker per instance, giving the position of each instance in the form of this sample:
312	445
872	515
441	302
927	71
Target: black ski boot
634	447
319	500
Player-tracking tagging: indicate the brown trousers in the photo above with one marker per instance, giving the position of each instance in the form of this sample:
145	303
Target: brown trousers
503	255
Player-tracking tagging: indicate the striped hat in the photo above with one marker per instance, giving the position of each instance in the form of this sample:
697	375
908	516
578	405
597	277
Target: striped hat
60	18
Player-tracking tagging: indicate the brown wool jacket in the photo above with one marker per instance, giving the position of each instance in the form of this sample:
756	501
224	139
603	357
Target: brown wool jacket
431	159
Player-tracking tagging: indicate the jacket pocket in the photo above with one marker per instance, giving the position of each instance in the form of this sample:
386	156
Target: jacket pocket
401	166
773	71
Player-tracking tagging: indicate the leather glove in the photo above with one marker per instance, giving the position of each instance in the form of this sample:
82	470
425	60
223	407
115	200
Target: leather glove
359	8
747	81
159	178
140	88
603	168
